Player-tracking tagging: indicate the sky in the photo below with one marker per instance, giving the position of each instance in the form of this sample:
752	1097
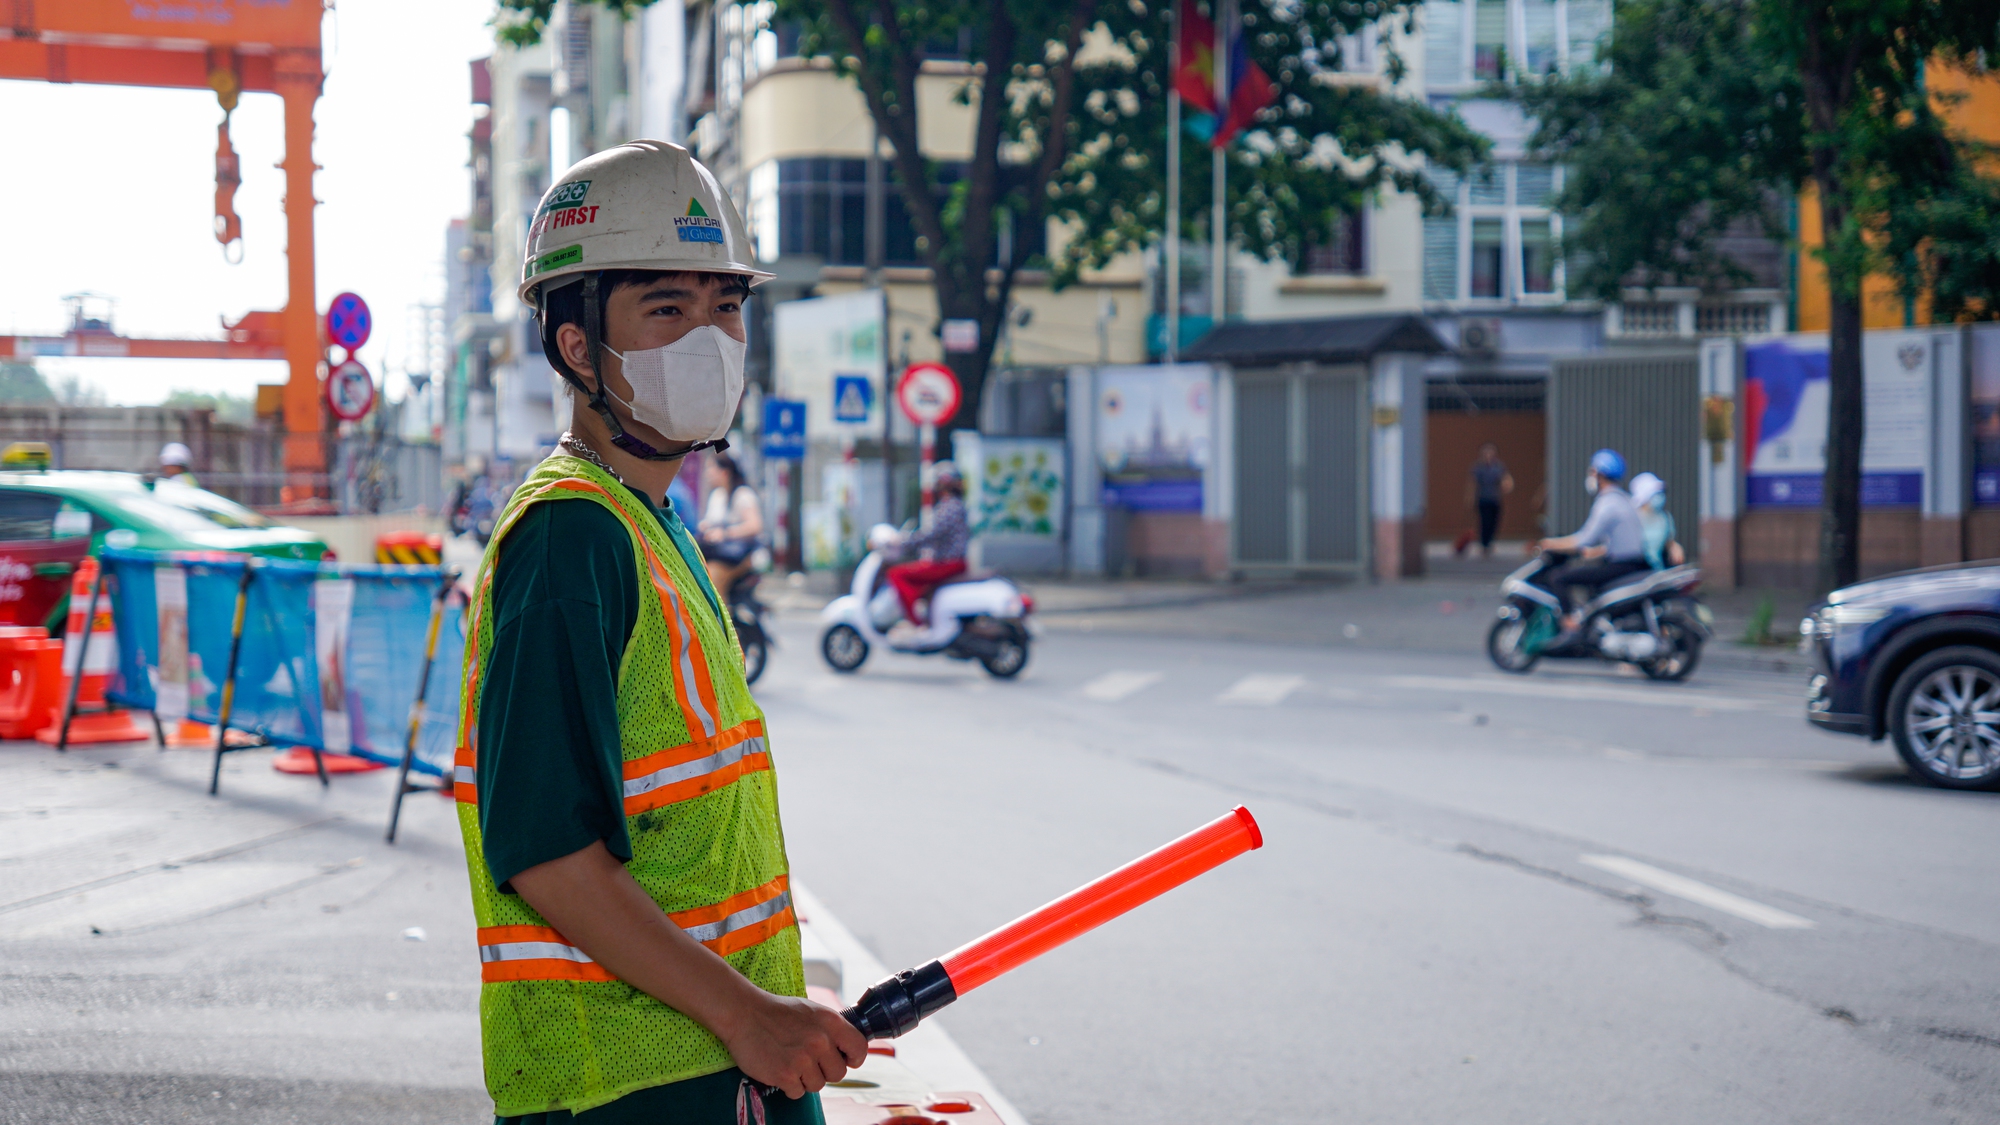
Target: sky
112	190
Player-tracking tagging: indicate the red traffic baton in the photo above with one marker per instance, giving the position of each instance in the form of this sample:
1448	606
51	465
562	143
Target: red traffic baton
894	1006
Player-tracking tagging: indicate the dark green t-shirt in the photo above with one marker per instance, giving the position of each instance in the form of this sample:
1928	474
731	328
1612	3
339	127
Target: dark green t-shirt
550	769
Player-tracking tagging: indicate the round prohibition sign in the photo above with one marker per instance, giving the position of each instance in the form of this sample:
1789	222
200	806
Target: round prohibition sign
350	391
348	322
928	393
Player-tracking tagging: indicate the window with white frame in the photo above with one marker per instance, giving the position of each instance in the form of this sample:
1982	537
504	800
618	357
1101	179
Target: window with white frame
1468	42
1502	243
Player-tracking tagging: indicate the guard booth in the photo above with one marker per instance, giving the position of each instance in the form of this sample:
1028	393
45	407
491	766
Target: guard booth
1323	441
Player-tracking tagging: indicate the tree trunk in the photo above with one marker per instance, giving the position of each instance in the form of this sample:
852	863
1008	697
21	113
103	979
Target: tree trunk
1840	508
1826	75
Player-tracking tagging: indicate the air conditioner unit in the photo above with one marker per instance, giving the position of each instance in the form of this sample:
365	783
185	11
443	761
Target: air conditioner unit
1479	337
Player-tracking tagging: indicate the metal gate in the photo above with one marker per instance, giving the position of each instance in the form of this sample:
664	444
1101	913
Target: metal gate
1301	471
1648	408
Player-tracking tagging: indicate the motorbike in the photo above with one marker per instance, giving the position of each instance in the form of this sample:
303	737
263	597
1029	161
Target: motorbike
1651	620
749	616
973	617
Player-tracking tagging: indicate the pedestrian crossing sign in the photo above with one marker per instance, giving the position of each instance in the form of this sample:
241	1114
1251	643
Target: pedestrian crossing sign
853	397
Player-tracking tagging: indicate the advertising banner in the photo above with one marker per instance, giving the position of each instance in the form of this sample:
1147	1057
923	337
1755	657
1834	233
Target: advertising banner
1785	401
1985	396
1154	435
333	607
170	598
823	346
1014	486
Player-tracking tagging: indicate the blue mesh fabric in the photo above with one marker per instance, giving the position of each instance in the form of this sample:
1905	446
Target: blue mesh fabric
277	677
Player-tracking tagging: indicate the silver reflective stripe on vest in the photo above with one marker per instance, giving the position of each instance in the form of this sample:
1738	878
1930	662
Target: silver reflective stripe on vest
465	775
748	916
683	662
728	756
531	951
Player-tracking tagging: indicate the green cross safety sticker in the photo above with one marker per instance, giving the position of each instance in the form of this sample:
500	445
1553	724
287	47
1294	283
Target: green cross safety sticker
697	226
566	195
559	259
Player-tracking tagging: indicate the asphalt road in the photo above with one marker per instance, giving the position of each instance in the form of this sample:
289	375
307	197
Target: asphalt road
1574	896
1473	900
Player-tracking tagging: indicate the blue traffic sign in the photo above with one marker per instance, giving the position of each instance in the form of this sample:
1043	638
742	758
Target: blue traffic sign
347	321
784	429
853	397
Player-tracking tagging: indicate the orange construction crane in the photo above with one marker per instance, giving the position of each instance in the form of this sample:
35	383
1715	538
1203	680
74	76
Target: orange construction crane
229	46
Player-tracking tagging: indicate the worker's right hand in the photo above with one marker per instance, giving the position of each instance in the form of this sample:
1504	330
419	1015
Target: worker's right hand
794	1045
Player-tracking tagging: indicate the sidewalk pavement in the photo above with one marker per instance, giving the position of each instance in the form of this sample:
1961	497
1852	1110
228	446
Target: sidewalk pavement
1449	610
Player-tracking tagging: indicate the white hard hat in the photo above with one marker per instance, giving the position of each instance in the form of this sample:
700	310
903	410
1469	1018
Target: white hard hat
1645	486
644	205
174	453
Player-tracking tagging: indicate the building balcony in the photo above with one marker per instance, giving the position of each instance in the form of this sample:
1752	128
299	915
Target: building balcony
1669	314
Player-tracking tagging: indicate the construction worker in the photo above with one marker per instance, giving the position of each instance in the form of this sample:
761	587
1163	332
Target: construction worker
175	462
639	951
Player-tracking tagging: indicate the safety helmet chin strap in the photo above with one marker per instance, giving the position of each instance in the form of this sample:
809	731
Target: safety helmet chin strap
593	341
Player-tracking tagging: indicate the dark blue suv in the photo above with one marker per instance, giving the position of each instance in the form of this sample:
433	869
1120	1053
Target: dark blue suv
1915	657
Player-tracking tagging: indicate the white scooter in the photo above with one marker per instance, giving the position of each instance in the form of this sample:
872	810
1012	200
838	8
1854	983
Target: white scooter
973	617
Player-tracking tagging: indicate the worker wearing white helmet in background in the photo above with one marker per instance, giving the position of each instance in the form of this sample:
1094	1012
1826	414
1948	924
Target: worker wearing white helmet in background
176	463
639	951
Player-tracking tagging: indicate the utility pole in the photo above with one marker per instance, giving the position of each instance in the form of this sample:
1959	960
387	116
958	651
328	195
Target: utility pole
874	237
1218	223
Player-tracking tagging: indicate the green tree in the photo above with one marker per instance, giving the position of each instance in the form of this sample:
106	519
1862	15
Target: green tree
21	382
1712	113
1077	132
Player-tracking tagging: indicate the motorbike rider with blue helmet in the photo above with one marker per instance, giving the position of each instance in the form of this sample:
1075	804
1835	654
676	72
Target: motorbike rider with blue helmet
1610	545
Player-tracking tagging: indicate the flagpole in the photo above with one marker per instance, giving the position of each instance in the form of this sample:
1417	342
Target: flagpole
1218	224
1173	242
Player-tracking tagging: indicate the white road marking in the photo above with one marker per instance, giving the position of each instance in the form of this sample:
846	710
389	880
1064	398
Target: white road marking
1261	688
1715	898
1662	696
1114	686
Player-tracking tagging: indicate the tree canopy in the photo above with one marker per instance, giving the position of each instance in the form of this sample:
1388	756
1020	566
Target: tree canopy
1076	131
1716	113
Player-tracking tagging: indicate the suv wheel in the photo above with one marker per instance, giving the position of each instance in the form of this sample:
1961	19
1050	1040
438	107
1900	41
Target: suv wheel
1944	714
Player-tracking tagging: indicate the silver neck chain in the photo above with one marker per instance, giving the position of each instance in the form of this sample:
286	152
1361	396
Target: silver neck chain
573	445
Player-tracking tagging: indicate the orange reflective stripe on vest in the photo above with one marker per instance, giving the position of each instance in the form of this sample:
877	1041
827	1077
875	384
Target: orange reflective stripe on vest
542	953
699	767
699	708
533	953
740	921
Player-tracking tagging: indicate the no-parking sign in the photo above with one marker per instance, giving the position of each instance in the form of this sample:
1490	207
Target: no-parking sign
348	322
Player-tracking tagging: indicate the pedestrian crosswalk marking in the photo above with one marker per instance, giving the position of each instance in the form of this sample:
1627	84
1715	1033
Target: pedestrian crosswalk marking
1114	686
1261	688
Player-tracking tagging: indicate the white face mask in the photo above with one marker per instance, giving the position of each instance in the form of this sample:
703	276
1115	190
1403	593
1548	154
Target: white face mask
689	389
1590	483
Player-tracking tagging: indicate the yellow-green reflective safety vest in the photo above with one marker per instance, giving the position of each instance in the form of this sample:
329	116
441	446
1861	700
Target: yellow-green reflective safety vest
701	807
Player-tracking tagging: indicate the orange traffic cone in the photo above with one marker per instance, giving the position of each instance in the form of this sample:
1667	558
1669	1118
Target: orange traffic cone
95	719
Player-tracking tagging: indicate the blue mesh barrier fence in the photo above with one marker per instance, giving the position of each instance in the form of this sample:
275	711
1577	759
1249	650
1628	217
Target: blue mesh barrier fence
376	654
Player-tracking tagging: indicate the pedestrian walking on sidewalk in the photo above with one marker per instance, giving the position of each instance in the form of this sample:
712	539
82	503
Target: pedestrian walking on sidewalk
639	952
1491	485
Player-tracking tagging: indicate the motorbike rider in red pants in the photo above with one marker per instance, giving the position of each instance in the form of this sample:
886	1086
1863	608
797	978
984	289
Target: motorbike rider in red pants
939	549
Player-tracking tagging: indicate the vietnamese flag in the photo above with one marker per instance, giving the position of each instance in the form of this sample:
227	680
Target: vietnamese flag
1194	70
1250	90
